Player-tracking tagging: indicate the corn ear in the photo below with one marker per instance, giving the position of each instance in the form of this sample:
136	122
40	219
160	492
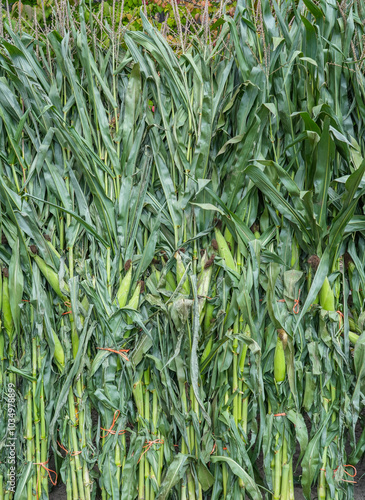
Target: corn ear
123	290
353	337
51	276
279	357
180	270
203	285
327	297
133	303
354	326
229	238
170	282
6	309
59	354
138	396
208	317
224	251
247	332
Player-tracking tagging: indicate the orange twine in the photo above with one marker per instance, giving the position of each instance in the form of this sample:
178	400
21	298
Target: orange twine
345	471
148	446
73	454
120	352
67	303
280	415
43	464
296	304
110	430
340	318
214	447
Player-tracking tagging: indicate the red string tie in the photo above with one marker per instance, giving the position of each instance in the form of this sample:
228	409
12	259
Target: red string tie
49	471
120	352
148	445
73	454
296	304
67	303
345	471
280	415
340	318
110	430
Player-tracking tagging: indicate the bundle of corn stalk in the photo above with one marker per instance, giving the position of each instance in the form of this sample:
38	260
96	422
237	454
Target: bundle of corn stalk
182	260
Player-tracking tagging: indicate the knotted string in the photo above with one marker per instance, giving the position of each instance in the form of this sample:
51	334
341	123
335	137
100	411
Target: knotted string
148	446
43	464
110	430
73	454
345	471
296	303
67	303
120	352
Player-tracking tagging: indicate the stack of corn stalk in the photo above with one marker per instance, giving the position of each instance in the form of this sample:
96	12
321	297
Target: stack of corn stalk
182	255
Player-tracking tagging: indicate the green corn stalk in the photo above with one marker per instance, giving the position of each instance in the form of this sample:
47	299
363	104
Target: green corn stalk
242	384
327	302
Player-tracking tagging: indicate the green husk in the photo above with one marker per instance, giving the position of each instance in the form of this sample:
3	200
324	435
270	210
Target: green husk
6	309
180	271
224	251
353	337
134	301
51	276
279	357
124	287
327	297
170	282
59	354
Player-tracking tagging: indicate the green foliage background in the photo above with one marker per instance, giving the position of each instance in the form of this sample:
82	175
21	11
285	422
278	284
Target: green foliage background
116	15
